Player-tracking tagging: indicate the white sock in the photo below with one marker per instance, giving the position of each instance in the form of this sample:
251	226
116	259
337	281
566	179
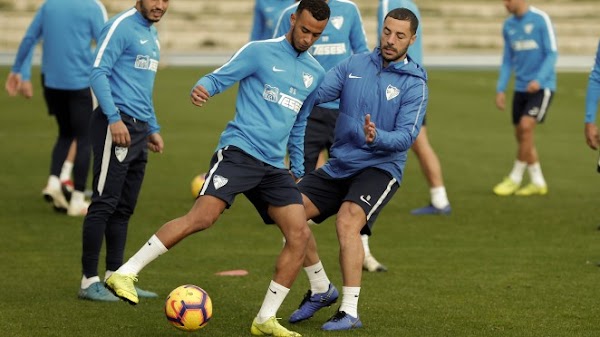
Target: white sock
535	173
148	253
319	282
350	301
517	171
77	197
439	198
107	274
65	171
365	242
273	299
87	282
53	182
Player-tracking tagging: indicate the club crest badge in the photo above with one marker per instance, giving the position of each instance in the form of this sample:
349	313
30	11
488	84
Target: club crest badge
219	181
391	92
337	22
121	153
308	79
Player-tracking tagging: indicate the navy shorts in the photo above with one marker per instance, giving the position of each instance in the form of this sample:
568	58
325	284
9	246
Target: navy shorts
370	188
534	105
233	171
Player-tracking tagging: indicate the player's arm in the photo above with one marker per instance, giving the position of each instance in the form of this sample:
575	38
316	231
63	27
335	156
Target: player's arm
242	64
548	38
98	19
591	105
358	37
21	69
332	85
296	140
257	24
409	118
108	51
504	74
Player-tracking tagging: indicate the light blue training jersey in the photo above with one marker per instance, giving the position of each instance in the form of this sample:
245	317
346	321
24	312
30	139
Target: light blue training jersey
67	29
593	91
266	13
385	6
395	97
125	66
343	36
277	88
529	50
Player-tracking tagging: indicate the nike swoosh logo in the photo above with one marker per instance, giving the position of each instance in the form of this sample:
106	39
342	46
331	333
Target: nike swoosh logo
277	70
274	292
362	198
318	271
143	41
353	76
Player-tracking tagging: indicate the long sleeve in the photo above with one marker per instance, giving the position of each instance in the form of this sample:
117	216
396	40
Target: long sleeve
358	37
593	91
506	67
547	68
108	52
25	52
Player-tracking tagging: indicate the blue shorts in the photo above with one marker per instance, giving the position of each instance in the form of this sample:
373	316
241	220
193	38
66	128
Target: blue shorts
233	171
533	105
371	189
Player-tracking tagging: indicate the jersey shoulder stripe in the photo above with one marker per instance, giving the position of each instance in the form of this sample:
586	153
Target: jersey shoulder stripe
546	18
103	9
278	39
111	31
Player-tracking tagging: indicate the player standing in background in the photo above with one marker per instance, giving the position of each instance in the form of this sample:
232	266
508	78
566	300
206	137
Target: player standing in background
266	13
123	128
428	159
277	88
343	36
530	51
383	99
67	28
591	106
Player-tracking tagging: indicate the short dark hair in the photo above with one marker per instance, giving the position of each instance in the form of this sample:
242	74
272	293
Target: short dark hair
405	14
318	8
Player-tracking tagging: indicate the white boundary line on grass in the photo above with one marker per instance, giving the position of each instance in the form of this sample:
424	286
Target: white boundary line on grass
581	63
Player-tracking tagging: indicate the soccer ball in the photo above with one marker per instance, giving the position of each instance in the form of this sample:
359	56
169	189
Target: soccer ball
197	183
188	307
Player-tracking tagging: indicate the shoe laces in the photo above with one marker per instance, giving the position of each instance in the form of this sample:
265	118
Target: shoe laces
131	277
306	298
338	316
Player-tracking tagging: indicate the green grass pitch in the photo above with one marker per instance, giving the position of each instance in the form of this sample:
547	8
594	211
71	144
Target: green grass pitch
496	267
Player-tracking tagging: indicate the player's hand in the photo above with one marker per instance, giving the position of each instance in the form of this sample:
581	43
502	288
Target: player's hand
120	134
156	143
13	83
199	95
500	100
591	135
26	89
533	86
369	129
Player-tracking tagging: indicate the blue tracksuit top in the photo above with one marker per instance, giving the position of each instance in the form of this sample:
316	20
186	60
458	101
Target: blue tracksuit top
67	29
593	91
529	50
343	36
266	13
395	96
277	88
125	66
385	6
